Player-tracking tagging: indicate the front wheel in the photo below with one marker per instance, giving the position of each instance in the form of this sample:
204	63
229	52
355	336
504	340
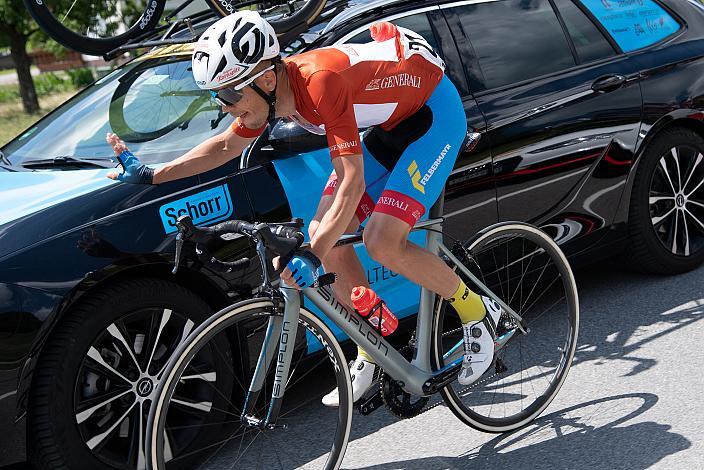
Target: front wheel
307	434
528	271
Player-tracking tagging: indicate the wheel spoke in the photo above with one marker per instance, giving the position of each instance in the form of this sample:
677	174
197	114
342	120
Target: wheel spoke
207	377
674	233
696	203
654	199
201	405
695	189
676	157
694	167
165	317
701	224
658	220
686	234
117	334
85	414
94	441
141	460
663	164
186	331
95	355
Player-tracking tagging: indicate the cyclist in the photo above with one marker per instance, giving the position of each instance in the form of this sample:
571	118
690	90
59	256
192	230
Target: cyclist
394	84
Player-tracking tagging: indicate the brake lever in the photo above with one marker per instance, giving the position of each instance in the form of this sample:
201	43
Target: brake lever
179	246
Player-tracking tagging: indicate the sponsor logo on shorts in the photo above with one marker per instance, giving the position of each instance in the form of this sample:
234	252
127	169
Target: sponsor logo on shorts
393	202
420	182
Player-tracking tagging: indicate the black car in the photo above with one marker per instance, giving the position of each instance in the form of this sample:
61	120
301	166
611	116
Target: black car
591	113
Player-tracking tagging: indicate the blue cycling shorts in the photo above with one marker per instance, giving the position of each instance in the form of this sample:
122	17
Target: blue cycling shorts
405	168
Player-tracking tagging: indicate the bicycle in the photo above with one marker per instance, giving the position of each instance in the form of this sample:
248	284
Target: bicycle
115	24
273	334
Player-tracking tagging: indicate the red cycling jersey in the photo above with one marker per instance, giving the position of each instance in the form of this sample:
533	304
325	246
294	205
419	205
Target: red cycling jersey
341	89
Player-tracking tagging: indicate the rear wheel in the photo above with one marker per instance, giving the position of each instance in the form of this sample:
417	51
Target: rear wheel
526	269
307	435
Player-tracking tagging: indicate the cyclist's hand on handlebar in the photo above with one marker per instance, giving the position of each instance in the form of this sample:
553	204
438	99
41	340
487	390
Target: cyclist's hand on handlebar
303	270
134	171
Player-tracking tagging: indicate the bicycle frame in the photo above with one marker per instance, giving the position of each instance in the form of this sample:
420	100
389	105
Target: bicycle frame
416	377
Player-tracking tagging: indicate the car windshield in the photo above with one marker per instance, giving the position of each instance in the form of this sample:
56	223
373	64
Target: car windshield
152	103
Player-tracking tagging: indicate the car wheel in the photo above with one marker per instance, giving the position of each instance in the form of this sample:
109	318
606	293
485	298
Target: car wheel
97	375
666	220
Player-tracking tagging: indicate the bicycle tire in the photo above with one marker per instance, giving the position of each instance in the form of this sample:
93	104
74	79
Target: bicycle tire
42	14
452	398
306	15
220	323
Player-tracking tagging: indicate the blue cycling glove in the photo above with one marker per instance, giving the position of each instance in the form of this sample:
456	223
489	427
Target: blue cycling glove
304	267
135	172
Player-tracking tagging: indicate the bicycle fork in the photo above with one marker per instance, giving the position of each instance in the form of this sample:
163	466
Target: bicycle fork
279	341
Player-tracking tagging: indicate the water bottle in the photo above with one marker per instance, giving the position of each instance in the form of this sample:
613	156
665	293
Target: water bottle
364	301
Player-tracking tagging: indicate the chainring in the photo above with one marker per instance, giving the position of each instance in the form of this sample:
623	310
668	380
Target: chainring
398	401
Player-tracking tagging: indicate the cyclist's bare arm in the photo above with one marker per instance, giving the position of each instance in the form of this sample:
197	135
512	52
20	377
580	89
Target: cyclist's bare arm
350	188
212	153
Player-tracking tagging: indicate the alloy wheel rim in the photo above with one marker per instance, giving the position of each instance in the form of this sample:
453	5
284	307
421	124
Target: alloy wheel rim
117	382
676	200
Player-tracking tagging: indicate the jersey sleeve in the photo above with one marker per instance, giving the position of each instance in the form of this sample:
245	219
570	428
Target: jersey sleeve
332	99
243	131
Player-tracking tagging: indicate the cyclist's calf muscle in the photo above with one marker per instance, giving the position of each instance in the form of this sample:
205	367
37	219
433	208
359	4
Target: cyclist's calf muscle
210	154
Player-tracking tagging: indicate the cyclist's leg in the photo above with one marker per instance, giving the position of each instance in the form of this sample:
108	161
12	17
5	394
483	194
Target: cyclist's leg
413	187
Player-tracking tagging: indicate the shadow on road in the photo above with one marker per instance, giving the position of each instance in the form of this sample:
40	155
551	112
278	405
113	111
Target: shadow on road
593	435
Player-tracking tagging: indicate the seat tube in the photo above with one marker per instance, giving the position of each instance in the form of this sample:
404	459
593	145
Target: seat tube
287	341
426	305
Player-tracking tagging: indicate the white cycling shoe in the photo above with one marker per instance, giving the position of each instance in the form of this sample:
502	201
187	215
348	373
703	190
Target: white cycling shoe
479	344
364	374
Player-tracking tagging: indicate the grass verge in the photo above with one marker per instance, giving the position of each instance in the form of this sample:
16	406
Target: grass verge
13	119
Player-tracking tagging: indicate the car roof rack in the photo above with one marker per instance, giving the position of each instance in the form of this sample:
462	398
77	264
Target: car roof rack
176	31
187	30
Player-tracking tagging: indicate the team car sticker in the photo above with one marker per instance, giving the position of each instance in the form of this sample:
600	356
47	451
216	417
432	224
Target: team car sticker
633	24
205	207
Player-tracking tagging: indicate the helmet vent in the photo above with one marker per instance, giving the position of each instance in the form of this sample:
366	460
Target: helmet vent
221	66
221	39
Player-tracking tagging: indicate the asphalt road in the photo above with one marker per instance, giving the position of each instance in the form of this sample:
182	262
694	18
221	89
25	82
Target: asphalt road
632	400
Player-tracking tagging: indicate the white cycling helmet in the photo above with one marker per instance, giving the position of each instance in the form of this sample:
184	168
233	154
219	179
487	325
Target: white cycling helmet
231	47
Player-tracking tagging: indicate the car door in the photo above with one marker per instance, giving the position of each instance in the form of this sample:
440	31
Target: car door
562	105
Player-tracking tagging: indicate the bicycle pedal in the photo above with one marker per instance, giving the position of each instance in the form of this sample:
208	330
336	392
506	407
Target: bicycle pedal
369	405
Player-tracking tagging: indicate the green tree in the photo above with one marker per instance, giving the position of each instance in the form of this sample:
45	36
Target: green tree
18	29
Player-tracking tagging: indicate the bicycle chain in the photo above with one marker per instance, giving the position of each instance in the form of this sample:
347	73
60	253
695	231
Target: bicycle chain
402	410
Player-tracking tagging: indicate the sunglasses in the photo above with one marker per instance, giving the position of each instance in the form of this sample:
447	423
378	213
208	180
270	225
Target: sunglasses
232	94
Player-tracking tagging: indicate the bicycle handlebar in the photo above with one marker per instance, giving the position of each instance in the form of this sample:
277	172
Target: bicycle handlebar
280	239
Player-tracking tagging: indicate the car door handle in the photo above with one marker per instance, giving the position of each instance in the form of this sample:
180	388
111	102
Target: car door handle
608	83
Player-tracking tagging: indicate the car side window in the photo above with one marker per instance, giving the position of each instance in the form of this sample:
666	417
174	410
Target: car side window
633	24
418	23
515	40
587	39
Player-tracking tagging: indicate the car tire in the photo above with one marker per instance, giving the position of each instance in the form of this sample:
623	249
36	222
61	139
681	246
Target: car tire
56	428
657	243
